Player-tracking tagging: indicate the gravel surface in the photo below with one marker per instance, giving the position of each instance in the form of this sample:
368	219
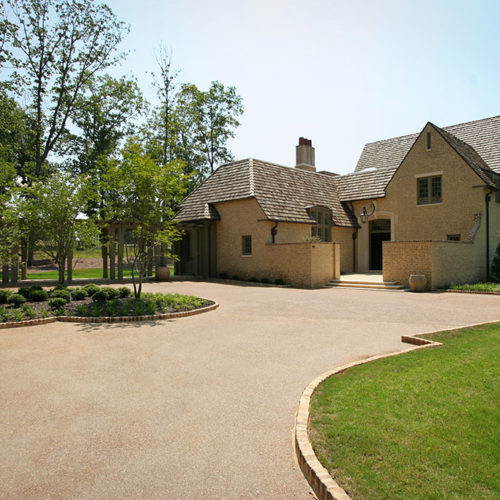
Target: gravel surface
199	407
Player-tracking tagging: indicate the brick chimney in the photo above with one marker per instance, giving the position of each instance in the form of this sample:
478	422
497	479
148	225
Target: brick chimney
305	155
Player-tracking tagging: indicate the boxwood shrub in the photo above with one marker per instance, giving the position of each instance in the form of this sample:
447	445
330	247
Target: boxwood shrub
91	288
57	302
79	294
16	299
64	294
100	296
38	295
124	292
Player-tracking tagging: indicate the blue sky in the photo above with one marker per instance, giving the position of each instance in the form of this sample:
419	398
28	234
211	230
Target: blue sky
341	73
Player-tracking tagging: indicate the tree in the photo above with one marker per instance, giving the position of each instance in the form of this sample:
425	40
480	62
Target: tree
105	114
143	194
60	45
55	207
210	119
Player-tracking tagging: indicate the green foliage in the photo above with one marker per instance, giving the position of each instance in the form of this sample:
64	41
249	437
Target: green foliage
279	281
54	207
27	292
100	296
44	313
79	294
16	299
64	294
91	288
495	266
4	314
265	280
4	296
38	295
145	193
17	315
81	310
60	45
28	311
477	287
112	293
124	292
57	303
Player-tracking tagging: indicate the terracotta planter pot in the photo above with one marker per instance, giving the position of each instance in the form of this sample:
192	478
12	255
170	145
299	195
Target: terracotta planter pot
418	282
163	273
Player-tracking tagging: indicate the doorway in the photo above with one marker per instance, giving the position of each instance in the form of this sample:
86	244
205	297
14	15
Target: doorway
380	231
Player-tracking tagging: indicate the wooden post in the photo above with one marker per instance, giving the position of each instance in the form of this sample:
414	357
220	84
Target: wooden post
14	265
5	273
24	258
121	239
112	252
70	266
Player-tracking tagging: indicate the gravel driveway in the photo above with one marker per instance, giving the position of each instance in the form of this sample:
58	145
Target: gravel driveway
198	407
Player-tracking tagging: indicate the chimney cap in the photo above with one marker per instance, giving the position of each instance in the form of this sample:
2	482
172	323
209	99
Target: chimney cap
304	142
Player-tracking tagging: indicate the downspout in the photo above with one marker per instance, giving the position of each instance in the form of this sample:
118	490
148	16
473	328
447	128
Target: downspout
487	199
274	232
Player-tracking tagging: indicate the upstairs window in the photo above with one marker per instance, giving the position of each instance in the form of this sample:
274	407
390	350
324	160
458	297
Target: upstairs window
246	245
323	227
429	190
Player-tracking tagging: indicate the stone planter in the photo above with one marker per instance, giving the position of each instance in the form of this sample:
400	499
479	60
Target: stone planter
418	282
163	273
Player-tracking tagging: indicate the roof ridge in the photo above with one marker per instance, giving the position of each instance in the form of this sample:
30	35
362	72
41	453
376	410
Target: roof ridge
251	177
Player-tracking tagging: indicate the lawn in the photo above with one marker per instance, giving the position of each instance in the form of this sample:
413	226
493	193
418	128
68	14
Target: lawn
77	274
478	287
420	425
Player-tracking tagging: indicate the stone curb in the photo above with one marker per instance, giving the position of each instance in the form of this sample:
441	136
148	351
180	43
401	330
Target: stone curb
320	480
107	319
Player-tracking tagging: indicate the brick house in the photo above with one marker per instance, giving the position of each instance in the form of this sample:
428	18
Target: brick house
422	203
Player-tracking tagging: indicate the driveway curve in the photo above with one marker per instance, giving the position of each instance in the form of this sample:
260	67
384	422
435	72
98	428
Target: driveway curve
197	407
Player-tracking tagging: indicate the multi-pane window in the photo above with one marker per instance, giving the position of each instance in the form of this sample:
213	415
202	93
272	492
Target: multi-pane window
429	190
453	237
246	245
323	228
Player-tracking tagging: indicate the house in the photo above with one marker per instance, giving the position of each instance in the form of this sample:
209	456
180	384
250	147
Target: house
426	203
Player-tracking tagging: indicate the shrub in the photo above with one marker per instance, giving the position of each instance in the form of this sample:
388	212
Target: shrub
100	296
279	281
253	279
112	293
60	286
38	295
17	315
124	292
4	296
4	315
61	294
81	310
25	292
79	294
265	280
236	278
223	276
57	303
91	288
16	299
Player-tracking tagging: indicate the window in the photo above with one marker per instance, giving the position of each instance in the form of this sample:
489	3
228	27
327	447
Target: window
246	245
453	237
323	228
429	143
429	190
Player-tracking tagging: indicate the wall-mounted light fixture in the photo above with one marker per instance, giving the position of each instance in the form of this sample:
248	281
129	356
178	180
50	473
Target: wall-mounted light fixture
364	214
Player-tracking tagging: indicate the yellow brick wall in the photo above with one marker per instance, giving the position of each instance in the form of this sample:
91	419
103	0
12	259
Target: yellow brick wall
343	236
402	258
292	259
462	199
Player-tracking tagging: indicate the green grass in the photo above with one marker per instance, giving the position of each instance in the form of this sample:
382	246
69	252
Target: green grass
478	287
77	273
420	425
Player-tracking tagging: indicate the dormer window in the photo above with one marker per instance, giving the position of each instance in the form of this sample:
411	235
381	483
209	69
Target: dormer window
323	227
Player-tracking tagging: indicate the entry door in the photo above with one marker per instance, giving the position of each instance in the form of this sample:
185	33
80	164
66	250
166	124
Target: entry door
380	231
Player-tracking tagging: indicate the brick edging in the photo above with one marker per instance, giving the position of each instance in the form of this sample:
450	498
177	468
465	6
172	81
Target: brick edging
320	480
107	319
477	292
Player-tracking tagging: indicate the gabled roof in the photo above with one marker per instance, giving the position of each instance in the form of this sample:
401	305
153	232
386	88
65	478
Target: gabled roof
283	193
482	135
470	156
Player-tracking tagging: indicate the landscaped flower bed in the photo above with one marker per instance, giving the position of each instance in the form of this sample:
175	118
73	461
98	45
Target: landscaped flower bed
90	301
